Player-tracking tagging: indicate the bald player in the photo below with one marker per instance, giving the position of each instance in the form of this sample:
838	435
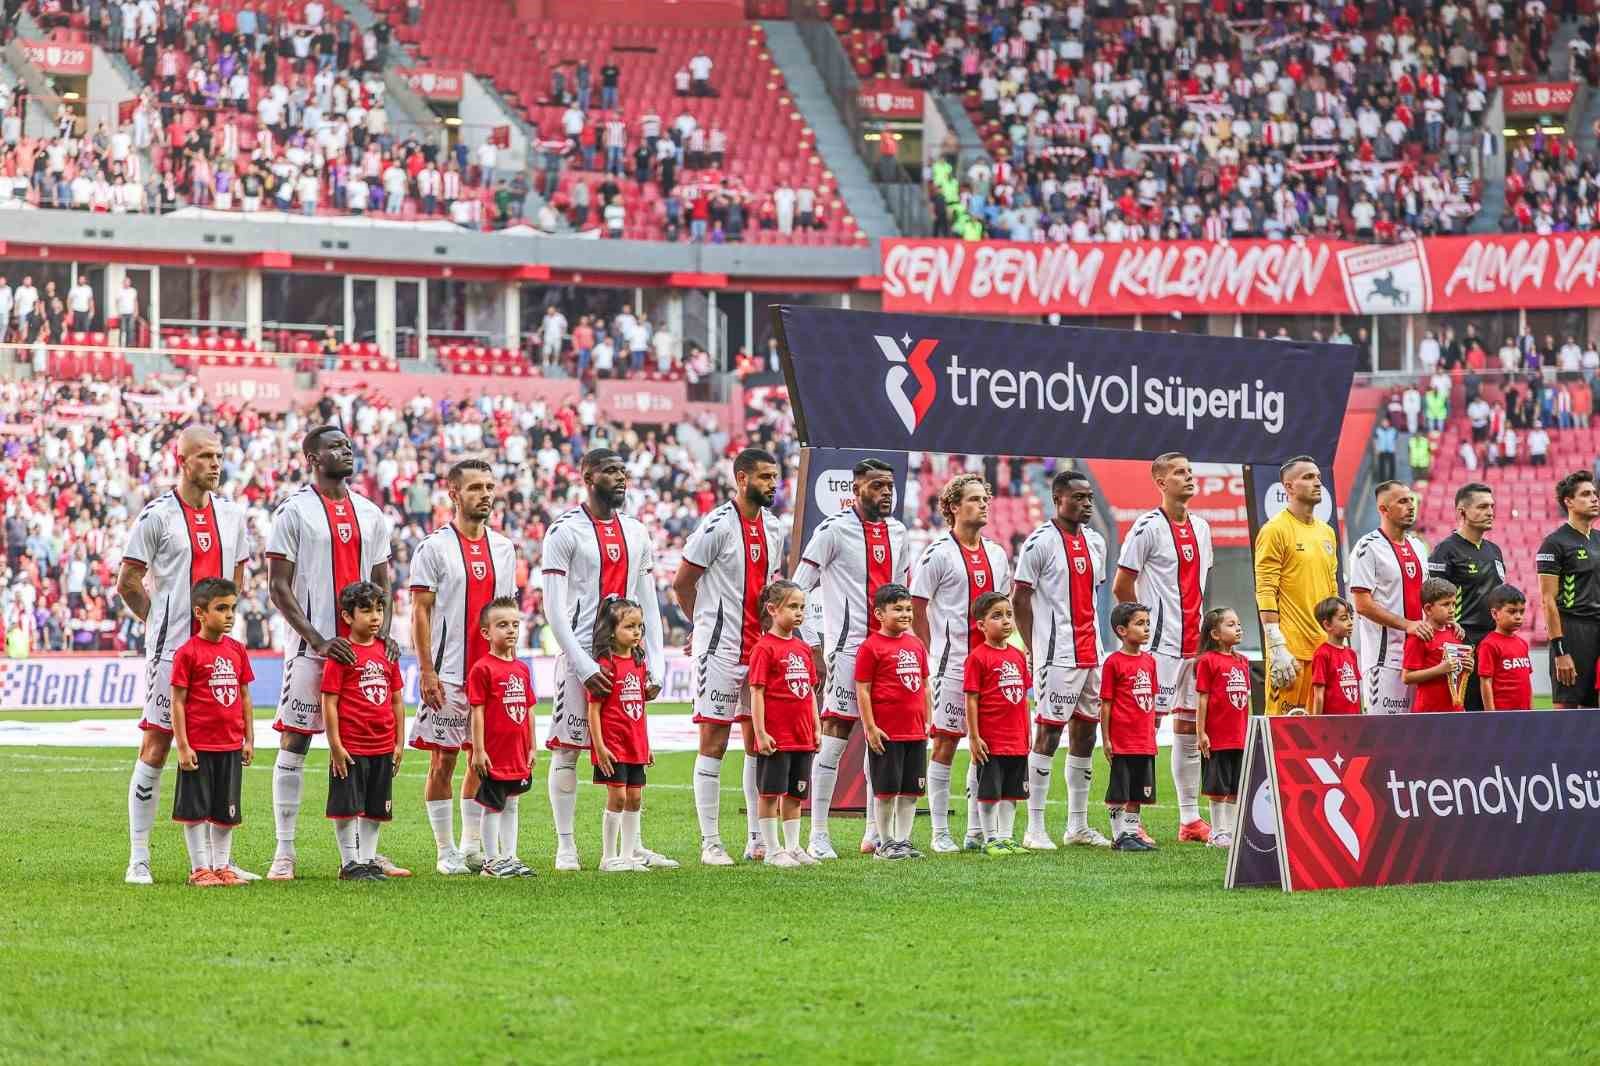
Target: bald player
180	538
1387	568
1296	568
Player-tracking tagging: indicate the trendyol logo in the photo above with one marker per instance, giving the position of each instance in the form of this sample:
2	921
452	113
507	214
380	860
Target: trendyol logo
911	409
1345	783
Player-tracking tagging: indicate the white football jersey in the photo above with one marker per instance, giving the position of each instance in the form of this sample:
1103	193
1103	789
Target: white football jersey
178	546
739	559
850	559
596	559
332	544
1170	562
1064	570
1393	574
950	578
464	576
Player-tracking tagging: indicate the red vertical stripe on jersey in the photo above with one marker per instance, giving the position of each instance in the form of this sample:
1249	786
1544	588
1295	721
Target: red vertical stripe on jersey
1080	596
1411	575
613	555
205	547
478	564
1187	549
755	581
880	558
344	532
980	579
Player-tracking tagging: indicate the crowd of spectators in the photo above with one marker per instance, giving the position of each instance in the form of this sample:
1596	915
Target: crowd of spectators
1116	121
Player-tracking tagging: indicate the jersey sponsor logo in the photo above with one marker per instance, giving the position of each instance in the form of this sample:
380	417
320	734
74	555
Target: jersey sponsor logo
224	682
613	552
1516	664
1144	691
1012	687
909	670
374	683
909	409
345	530
479	569
797	675
203	538
631	697
1343	780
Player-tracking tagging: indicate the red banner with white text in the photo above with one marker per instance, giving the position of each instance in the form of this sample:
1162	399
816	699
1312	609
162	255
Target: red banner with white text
1311	276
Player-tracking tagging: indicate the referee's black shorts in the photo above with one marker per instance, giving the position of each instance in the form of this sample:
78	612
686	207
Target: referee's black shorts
1473	699
1582	638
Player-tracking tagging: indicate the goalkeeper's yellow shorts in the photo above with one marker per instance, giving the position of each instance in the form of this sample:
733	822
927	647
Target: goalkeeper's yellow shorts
1297	695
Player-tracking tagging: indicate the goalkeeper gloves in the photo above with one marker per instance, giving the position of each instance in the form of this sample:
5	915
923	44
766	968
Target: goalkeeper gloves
1281	665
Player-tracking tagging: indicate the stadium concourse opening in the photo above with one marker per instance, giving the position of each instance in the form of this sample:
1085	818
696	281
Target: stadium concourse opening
894	383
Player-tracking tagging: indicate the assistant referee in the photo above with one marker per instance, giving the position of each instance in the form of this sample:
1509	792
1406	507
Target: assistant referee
1569	589
1471	562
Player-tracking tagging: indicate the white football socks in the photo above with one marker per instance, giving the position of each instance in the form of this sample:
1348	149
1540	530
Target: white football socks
198	842
883	819
976	826
221	845
288	782
1114	816
508	828
1007	819
905	816
144	796
471	823
1186	775
563	789
491	833
791	834
870	833
610	830
939	797
1039	767
441	814
708	796
344	833
367	842
752	798
989	820
630	834
1080	770
769	835
1223	816
824	772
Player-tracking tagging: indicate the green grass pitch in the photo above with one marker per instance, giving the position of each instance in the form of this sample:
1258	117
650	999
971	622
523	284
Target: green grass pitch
1074	956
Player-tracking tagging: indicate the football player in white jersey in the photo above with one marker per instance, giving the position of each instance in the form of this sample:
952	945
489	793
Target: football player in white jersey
728	560
954	571
457	571
1387	568
850	554
1059	569
1165	563
324	537
180	538
591	552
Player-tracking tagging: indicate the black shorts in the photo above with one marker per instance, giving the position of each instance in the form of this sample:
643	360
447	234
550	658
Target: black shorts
902	769
1219	775
630	774
1133	780
210	792
1003	777
783	773
492	794
1473	700
1583	644
365	791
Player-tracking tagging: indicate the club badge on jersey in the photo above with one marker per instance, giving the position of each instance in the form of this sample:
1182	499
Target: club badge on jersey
1012	686
797	673
909	670
374	683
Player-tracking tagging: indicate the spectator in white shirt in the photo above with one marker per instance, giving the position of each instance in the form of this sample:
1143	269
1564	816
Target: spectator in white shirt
1538	444
616	217
80	302
1428	352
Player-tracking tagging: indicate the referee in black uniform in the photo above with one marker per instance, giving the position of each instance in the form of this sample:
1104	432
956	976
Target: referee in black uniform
1569	590
1473	564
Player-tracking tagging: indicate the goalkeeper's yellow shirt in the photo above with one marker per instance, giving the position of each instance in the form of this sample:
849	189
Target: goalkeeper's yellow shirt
1297	567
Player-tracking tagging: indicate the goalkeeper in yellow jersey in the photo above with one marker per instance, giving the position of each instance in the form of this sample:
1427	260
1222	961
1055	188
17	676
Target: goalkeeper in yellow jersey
1297	566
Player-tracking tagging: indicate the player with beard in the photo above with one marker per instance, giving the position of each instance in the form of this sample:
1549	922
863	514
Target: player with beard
324	538
180	538
1296	568
1387	568
1060	566
1471	562
456	573
730	557
1165	564
850	555
591	552
953	572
